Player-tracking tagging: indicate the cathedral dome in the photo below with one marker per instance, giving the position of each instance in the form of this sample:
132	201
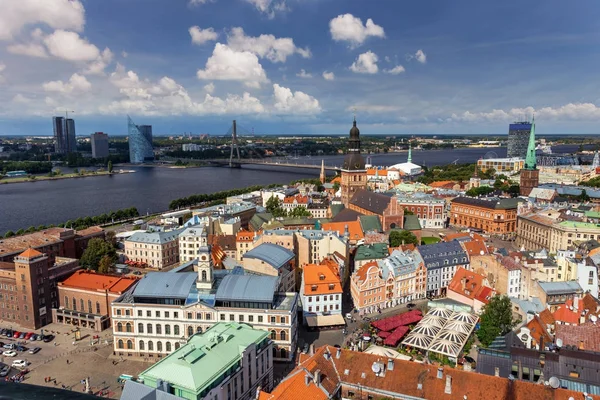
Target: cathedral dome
354	132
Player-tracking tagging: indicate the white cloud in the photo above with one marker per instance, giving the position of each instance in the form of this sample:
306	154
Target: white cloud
570	111
349	28
58	14
70	46
373	108
201	36
199	2
2	68
398	69
77	83
366	63
269	7
303	74
227	64
29	49
274	49
328	76
20	99
209	88
97	67
420	56
124	54
294	103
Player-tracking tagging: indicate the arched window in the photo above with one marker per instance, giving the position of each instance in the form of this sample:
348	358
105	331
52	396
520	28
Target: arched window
282	335
140	328
150	345
168	347
204	276
81	303
273	335
74	304
283	353
120	344
199	329
97	308
158	329
66	301
90	306
274	352
141	345
176	330
119	327
149	329
167	329
158	346
128	327
176	345
129	345
190	330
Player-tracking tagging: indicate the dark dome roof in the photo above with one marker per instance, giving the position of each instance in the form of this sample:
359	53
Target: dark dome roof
354	161
354	132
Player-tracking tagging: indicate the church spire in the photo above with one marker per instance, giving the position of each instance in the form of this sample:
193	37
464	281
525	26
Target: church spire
409	152
322	177
530	160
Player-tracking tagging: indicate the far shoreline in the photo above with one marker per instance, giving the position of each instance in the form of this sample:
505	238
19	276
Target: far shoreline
41	178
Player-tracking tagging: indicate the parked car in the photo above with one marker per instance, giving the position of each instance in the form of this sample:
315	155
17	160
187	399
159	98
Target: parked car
19	363
28	335
4	371
9	353
16	334
3	331
34	350
9	346
348	316
48	338
20	348
9	333
33	337
22	335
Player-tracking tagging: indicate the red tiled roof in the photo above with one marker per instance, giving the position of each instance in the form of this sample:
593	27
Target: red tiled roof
322	279
89	280
547	317
30	253
587	336
362	271
396	336
538	329
475	248
473	285
391	323
354	229
565	315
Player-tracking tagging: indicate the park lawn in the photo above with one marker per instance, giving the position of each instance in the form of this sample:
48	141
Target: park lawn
429	240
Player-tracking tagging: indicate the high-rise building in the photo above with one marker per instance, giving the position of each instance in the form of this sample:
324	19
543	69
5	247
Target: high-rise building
140	142
530	175
518	139
64	135
354	174
99	145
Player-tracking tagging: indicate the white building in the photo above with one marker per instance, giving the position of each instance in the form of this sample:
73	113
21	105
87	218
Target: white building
191	240
321	292
430	210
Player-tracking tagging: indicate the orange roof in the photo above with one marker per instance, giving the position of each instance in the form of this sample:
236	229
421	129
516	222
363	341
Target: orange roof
245	236
362	271
458	235
89	280
470	284
380	172
354	228
402	247
442	184
475	248
297	198
320	279
337	179
565	315
538	329
331	264
30	253
546	317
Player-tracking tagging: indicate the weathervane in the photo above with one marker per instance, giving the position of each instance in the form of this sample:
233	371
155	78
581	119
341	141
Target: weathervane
354	112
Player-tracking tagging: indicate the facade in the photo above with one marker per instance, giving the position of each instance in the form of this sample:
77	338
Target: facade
157	249
530	175
28	287
554	294
442	259
518	139
64	135
292	202
191	240
228	361
140	142
354	174
387	208
495	216
272	260
321	293
84	299
430	210
501	165
470	288
99	142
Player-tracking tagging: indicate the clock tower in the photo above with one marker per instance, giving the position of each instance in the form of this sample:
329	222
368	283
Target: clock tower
354	174
204	281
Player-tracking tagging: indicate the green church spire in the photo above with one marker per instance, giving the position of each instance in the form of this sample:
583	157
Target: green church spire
530	160
409	153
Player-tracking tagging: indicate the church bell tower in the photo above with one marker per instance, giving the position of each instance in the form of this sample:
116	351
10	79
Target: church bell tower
354	174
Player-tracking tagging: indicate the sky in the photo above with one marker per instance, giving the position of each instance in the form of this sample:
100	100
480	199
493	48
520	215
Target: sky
300	66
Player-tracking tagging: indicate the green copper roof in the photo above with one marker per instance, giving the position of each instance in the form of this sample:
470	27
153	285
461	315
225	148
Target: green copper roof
206	358
579	224
370	223
373	251
530	160
411	223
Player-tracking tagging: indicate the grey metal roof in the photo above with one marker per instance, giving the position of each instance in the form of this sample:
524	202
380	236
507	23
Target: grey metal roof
138	391
567	287
371	201
436	254
272	254
247	288
165	284
154	237
491	203
533	306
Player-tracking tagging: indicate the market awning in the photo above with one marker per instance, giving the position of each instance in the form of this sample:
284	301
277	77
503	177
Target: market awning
325	320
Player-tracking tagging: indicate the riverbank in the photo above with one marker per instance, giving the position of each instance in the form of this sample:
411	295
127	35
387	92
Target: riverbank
37	178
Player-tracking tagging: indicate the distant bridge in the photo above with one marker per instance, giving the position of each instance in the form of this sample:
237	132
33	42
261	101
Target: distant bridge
237	163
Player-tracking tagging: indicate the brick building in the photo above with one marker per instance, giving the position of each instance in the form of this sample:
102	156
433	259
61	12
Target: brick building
390	213
496	216
28	287
84	299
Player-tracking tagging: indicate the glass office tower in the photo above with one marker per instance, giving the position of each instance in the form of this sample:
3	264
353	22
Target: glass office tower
140	143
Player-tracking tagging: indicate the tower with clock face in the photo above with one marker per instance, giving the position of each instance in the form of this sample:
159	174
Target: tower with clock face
354	174
205	269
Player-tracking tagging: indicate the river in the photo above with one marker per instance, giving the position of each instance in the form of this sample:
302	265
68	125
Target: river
150	189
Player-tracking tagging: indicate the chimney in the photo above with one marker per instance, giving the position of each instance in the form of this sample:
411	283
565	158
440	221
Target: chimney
448	389
463	283
307	379
440	373
496	371
317	377
338	353
390	366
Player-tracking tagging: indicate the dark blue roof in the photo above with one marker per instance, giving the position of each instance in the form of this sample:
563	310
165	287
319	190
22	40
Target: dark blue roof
247	288
165	284
443	254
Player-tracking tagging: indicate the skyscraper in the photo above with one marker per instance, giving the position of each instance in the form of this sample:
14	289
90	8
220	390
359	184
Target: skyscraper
354	174
140	142
530	175
99	142
518	139
64	135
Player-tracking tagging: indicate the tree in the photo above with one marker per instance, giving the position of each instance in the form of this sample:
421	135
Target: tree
105	264
9	234
274	207
96	249
496	319
110	167
583	196
479	191
300	212
398	238
336	187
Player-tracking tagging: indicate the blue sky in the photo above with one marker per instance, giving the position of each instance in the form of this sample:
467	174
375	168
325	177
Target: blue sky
300	66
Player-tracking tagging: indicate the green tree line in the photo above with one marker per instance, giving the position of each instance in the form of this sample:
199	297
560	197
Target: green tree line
31	167
197	199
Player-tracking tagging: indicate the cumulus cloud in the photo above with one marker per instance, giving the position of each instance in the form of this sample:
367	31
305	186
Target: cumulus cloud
328	76
209	88
265	46
227	64
97	67
570	111
398	69
199	2
58	14
76	84
2	68
70	46
269	7
303	74
289	102
366	63
420	56
28	49
349	28
201	36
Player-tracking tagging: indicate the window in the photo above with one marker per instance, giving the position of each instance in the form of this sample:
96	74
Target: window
250	318
273	335
128	327
66	301
119	327
150	345
82	305
140	328
175	315
168	346
260	318
199	329
283	353
176	330
282	335
176	345
166	314
157	313
231	317
141	345
120	344
241	318
75	306
167	329
158	346
148	313
158	329
190	330
129	345
90	306
272	319
282	320
98	309
149	329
